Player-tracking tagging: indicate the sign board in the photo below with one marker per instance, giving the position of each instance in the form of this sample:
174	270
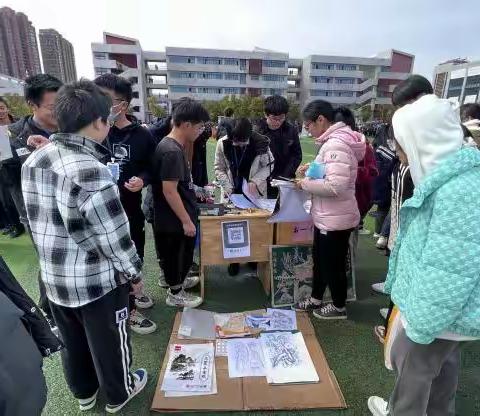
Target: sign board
235	239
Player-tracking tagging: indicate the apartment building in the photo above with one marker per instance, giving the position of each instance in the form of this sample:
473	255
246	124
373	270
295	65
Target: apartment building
211	74
19	55
57	55
458	80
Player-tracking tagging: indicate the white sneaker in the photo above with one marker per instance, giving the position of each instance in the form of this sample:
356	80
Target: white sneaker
162	282
377	406
376	235
87	404
183	299
382	243
191	281
141	325
364	231
141	378
143	301
384	313
379	287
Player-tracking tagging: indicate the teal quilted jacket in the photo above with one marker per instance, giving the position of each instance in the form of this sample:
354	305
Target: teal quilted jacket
434	271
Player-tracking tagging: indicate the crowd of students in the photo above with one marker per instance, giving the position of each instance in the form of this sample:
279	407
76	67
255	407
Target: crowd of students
75	181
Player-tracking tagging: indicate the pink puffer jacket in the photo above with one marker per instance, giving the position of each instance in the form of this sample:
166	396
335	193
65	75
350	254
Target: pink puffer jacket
334	206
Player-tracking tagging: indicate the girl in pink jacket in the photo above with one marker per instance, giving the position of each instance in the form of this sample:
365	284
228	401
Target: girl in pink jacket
334	207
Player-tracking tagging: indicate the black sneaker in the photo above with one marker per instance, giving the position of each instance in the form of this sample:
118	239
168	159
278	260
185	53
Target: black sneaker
308	304
17	231
329	311
6	230
233	269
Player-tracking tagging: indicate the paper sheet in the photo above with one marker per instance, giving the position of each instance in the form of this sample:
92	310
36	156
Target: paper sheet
287	359
245	358
273	320
190	368
240	201
197	324
5	149
294	204
266	204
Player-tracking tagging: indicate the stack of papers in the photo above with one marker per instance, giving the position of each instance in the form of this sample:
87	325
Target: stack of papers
232	325
287	359
266	204
190	371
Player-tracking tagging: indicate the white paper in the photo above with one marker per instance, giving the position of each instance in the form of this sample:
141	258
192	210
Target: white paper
190	368
294	204
287	359
195	393
240	201
282	319
236	239
245	358
266	204
5	148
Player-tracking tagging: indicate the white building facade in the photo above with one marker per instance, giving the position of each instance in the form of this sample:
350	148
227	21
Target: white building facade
458	80
212	74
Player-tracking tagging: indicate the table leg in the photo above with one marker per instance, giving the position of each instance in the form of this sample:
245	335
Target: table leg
264	275
202	282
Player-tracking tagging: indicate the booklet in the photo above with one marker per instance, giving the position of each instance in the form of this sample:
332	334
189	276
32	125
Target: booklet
190	368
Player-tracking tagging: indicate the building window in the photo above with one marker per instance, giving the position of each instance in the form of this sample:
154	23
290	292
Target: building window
386	69
321	65
210	75
343	81
243	64
346	67
229	90
272	91
133	80
321	80
179	88
177	59
230	61
274	64
157	79
273	78
254	77
182	75
156	65
100	55
135	94
243	78
101	71
232	77
209	61
318	93
293	72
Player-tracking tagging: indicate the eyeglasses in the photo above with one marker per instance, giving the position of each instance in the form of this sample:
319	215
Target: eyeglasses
48	107
307	124
277	119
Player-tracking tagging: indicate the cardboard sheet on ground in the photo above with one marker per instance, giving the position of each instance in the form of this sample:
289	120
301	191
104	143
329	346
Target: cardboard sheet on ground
254	393
294	204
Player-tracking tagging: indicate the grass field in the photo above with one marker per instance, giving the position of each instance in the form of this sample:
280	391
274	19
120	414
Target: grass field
350	346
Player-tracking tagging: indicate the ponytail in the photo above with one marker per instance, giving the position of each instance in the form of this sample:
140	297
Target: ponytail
346	116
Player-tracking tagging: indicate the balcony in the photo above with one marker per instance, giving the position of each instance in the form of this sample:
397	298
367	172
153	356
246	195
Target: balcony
365	97
393	75
337	73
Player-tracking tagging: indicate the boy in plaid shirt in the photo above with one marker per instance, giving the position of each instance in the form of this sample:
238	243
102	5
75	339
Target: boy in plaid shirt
88	261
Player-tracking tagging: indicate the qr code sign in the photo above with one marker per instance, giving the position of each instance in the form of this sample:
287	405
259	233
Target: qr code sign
235	235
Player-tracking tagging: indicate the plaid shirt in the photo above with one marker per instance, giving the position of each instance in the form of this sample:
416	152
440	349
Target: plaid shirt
78	225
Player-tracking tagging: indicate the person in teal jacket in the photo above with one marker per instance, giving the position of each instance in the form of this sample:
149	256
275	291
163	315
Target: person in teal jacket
434	271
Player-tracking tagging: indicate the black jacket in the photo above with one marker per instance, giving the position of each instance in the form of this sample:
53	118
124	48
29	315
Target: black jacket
132	147
33	319
19	134
160	128
285	147
199	159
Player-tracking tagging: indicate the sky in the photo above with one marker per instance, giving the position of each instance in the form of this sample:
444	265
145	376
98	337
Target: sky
433	30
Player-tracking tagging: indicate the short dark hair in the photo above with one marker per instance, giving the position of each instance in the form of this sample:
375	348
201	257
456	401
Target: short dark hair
189	111
345	115
228	112
121	86
410	89
318	108
275	105
470	111
79	104
37	85
242	130
3	101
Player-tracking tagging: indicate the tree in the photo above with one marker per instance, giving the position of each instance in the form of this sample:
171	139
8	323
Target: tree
154	108
17	105
294	112
365	113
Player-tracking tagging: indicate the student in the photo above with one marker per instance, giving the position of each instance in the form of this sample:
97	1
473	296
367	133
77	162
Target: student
28	132
284	141
5	117
87	259
432	275
132	147
243	155
226	123
175	205
334	207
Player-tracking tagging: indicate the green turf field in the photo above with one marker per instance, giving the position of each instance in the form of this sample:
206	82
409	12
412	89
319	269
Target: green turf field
350	346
